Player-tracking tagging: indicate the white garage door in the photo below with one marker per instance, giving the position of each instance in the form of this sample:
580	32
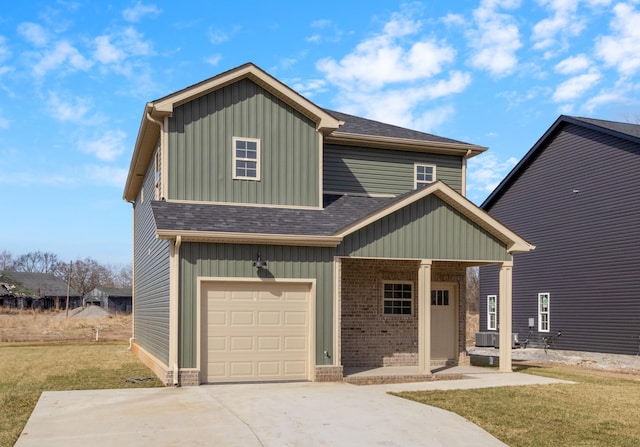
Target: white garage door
257	331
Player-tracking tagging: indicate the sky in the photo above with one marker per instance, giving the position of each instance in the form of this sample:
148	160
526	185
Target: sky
75	77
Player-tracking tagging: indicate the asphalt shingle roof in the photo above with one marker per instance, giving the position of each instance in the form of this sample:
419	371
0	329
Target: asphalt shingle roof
37	284
625	128
338	212
362	126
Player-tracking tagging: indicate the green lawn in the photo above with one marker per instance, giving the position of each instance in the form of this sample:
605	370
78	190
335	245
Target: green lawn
598	410
28	370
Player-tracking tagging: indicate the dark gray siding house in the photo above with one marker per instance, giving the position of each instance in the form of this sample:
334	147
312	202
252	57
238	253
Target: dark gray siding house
576	196
276	240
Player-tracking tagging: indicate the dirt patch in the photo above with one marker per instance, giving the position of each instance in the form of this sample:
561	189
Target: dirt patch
90	324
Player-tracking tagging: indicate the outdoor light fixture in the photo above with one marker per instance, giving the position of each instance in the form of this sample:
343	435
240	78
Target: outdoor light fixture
259	263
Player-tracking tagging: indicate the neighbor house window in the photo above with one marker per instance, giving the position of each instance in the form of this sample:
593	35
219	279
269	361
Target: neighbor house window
397	298
492	312
543	312
424	175
246	158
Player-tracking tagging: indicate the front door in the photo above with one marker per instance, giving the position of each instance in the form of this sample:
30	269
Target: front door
444	327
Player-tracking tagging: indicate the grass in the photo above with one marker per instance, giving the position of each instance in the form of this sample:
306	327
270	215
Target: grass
26	370
598	410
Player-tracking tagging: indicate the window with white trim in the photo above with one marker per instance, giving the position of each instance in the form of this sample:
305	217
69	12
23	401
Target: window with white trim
543	312
246	158
423	175
397	298
492	312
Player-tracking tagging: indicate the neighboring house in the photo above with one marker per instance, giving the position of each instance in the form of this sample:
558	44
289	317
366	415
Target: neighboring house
114	299
27	290
576	196
276	240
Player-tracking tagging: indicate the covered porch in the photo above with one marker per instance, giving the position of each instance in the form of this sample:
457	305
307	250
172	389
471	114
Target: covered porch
405	319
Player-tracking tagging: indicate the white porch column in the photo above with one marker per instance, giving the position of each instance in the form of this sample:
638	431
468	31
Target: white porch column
505	300
424	317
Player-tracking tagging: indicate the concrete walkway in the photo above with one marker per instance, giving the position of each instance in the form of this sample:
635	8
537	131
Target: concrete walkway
247	415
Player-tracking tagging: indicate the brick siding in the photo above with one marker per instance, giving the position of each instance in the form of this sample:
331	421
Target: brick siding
368	337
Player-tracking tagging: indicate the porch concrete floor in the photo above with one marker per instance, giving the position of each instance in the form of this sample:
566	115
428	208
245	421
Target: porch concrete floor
413	371
407	374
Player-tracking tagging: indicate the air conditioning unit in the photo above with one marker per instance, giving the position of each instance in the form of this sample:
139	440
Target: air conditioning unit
514	340
486	339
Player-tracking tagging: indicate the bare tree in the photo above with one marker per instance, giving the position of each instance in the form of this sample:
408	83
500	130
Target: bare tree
37	262
6	260
473	290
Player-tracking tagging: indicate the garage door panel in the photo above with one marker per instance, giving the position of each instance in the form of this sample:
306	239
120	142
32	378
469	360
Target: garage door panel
258	331
245	318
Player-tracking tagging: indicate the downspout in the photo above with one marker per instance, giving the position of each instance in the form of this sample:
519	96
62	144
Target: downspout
133	279
174	308
464	172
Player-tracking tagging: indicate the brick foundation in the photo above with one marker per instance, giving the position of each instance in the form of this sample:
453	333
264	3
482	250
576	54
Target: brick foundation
329	373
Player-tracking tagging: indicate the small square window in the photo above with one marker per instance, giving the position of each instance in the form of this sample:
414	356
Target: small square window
397	298
246	158
424	175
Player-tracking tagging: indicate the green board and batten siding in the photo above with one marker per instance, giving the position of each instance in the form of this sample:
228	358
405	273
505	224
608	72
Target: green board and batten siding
200	155
230	260
151	281
401	235
352	170
423	229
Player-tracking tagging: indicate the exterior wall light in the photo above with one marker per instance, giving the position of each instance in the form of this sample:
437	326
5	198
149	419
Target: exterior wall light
259	263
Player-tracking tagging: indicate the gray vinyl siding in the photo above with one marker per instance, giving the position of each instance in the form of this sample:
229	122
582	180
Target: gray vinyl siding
427	229
151	281
350	169
200	149
229	260
588	242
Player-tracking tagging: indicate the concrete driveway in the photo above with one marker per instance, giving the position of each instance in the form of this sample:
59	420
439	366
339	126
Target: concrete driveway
246	415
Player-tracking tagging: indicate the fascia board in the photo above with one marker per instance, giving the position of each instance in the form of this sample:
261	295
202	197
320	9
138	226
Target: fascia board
324	121
251	238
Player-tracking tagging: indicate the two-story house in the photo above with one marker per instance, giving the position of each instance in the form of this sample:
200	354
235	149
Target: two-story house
277	240
576	196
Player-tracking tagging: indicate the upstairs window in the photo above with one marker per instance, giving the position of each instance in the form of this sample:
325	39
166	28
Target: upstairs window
543	312
157	182
397	298
424	175
246	158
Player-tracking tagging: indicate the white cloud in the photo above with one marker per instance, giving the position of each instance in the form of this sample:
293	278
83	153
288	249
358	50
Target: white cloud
308	87
216	37
620	49
496	38
565	22
214	60
107	147
74	111
576	86
106	52
382	60
62	55
331	33
33	33
138	11
397	76
454	20
485	172
120	51
573	64
106	175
